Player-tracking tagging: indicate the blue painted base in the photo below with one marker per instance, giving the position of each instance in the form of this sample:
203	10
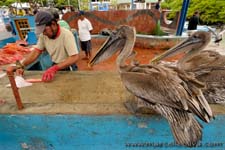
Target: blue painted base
78	132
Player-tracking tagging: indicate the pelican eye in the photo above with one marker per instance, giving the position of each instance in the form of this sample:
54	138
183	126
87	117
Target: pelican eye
195	36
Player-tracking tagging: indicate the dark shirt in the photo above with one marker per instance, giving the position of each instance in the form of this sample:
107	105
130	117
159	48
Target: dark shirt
193	22
157	6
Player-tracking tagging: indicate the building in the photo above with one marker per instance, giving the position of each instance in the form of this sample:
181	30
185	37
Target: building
122	4
138	4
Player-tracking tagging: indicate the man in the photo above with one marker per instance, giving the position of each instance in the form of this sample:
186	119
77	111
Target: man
84	31
193	22
157	5
57	41
64	24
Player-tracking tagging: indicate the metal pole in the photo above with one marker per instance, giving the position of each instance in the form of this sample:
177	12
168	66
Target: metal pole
182	17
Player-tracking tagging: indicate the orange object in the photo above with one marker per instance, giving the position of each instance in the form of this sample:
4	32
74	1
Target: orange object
34	80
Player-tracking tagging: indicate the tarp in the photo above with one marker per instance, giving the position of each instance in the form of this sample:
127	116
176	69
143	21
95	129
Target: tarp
20	5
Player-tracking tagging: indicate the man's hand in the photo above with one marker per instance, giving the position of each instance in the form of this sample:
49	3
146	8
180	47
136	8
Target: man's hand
19	72
19	68
50	73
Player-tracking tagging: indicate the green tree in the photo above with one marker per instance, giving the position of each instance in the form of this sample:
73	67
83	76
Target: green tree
84	4
7	2
60	3
211	11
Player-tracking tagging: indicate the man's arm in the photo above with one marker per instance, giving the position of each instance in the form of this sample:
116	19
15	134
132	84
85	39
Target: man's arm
31	57
20	65
71	50
69	61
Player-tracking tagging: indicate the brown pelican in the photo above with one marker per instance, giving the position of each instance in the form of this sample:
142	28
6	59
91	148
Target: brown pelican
207	65
174	94
217	35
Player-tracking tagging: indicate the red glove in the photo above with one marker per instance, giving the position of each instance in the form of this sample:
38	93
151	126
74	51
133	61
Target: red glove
50	73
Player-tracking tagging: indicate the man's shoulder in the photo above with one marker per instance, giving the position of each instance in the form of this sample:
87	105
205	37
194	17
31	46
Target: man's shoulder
62	29
65	31
85	19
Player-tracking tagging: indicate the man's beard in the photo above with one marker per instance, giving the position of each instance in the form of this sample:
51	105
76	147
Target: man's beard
53	36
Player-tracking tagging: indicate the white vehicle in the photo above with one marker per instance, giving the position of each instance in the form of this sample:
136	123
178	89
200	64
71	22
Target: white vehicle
5	35
3	31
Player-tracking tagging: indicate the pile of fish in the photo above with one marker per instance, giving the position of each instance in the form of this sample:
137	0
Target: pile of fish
12	52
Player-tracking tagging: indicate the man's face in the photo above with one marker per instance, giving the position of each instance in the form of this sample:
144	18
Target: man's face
81	17
51	30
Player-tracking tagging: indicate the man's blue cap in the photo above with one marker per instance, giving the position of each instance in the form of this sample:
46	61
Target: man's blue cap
81	12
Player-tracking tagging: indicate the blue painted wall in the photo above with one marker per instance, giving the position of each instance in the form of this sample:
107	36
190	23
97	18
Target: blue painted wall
30	20
16	37
114	132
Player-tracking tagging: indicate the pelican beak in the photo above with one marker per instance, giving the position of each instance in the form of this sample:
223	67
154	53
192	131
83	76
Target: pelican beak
113	43
185	46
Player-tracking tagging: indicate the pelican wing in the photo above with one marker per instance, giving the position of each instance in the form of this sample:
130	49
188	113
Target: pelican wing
157	85
185	128
203	60
215	83
161	85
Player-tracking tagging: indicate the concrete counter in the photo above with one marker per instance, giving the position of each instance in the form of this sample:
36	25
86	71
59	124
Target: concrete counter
71	92
81	92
